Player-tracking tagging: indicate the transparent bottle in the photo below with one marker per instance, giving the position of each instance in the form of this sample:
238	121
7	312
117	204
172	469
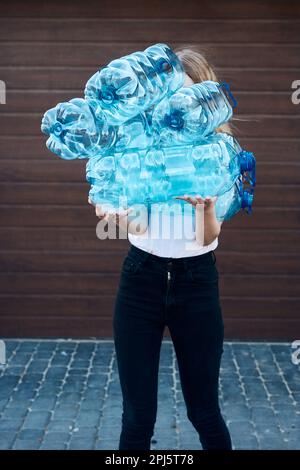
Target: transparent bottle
159	174
231	202
193	112
131	84
75	132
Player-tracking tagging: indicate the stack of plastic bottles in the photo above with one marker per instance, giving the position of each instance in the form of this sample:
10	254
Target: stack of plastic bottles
148	138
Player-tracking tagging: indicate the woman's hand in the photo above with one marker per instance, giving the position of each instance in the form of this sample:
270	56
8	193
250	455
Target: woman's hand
133	220
113	216
208	202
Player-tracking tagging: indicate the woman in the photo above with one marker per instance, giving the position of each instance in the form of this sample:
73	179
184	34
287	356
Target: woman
171	281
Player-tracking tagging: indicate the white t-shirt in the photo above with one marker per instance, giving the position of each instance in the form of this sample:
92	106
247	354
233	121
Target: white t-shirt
171	233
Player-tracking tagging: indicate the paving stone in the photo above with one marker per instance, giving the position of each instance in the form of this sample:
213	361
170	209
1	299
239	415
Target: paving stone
30	433
276	387
241	428
109	432
65	412
110	420
87	418
47	345
44	403
19	412
53	446
13	370
21	359
262	414
9	424
26	444
81	444
63	437
45	355
170	444
107	444
37	419
271	443
69	398
237	412
247	443
95	405
85	432
62	425
6	439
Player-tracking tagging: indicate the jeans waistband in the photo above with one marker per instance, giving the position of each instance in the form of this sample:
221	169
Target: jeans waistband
189	261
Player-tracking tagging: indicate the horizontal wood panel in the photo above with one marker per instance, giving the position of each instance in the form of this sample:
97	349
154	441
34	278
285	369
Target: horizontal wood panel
52	170
78	261
56	216
259	328
272	149
255	126
281	329
64	239
59	170
266	149
44	193
91	54
248	102
106	284
160	30
275	80
98	306
73	79
153	9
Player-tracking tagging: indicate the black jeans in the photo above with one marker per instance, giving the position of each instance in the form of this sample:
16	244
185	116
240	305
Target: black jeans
183	294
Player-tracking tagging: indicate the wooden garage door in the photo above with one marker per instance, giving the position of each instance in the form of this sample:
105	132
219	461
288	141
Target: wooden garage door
57	278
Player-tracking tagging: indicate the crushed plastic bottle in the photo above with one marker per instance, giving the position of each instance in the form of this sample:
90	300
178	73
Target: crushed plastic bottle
160	174
75	132
193	112
129	85
237	198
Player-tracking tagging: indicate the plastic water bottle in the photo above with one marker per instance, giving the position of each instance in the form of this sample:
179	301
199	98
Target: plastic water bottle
219	160
75	132
193	112
159	174
120	176
131	84
209	167
231	202
110	199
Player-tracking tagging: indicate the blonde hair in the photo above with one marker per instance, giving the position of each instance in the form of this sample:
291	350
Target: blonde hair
198	69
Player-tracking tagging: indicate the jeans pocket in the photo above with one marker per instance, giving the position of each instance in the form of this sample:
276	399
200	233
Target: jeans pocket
132	266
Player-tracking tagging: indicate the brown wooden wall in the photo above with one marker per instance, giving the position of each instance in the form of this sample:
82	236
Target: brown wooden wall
56	277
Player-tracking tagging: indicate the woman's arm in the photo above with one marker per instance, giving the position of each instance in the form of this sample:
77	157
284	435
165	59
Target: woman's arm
207	227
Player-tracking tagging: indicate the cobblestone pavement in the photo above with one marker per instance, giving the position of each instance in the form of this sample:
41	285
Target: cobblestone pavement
65	394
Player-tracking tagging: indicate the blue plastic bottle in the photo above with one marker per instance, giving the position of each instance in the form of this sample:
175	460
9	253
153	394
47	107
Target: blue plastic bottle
192	112
158	174
231	202
129	85
75	132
